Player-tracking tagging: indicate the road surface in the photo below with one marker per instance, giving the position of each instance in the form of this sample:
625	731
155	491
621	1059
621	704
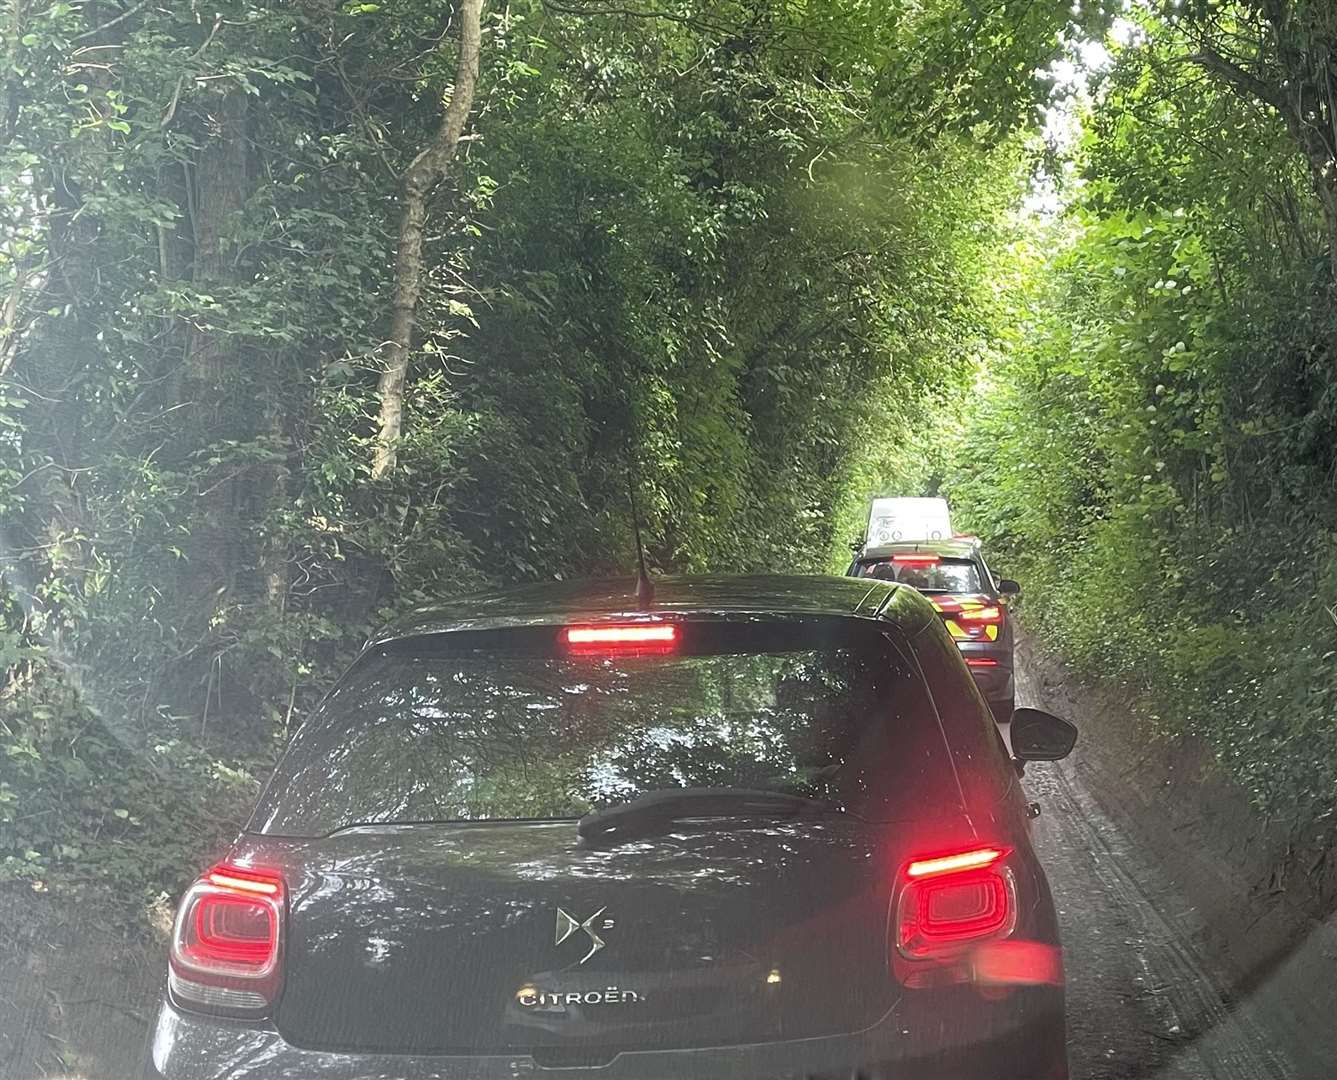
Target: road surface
1141	1001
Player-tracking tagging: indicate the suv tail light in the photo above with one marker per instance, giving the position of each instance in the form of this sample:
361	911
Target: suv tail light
952	902
227	944
970	618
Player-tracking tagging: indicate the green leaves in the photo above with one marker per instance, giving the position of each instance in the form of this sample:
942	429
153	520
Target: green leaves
1148	457
745	259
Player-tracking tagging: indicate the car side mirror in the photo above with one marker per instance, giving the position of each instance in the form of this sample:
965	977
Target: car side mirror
1008	587
1040	736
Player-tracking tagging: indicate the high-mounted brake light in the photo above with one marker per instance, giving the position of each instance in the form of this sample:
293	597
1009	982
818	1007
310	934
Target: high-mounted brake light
623	634
952	902
227	943
916	558
621	638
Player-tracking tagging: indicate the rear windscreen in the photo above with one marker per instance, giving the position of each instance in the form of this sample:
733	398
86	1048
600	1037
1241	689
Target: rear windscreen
481	733
948	575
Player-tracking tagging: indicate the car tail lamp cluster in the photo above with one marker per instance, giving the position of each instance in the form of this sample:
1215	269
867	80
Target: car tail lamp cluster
621	637
970	618
951	903
227	944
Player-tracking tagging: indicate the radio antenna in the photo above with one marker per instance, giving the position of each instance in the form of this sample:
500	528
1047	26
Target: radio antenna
645	590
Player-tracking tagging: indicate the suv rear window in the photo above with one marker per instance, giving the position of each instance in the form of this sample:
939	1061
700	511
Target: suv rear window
949	575
458	729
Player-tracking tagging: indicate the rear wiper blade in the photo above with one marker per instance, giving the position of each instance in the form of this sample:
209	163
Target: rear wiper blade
658	810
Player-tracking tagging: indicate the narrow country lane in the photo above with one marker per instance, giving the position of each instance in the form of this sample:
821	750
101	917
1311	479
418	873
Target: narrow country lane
1141	1001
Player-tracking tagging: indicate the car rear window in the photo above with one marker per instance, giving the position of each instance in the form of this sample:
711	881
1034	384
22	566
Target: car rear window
948	575
467	730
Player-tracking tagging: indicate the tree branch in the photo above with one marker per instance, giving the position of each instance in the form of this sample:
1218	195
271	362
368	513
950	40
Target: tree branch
128	13
423	174
1211	60
180	81
632	13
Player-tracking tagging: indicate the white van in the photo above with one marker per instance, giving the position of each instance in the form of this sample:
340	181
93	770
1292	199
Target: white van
896	520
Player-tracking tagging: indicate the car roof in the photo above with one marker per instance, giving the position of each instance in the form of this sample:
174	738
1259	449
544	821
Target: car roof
559	602
956	548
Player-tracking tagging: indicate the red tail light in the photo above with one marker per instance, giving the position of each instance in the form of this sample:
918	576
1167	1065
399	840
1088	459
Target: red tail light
227	944
953	901
982	615
951	864
621	637
970	618
916	558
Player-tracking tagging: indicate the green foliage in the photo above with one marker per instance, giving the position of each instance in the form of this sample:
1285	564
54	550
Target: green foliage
1153	451
85	816
733	258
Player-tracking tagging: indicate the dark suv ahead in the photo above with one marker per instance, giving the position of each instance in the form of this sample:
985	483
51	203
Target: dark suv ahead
956	580
765	828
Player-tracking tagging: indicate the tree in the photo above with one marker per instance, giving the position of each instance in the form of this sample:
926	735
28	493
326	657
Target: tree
690	242
426	170
1279	53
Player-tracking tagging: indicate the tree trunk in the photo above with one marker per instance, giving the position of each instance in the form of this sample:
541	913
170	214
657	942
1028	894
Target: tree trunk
1289	71
1325	184
421	177
11	86
222	178
274	551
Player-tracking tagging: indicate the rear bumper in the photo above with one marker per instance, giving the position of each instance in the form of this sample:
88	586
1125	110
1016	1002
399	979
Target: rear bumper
927	1036
995	681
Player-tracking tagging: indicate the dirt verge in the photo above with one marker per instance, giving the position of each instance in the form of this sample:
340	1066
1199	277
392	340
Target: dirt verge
1260	912
75	996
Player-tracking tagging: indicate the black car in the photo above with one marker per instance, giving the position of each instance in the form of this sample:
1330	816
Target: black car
765	828
970	599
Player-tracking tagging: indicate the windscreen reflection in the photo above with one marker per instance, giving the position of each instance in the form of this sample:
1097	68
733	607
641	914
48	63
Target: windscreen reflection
432	738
